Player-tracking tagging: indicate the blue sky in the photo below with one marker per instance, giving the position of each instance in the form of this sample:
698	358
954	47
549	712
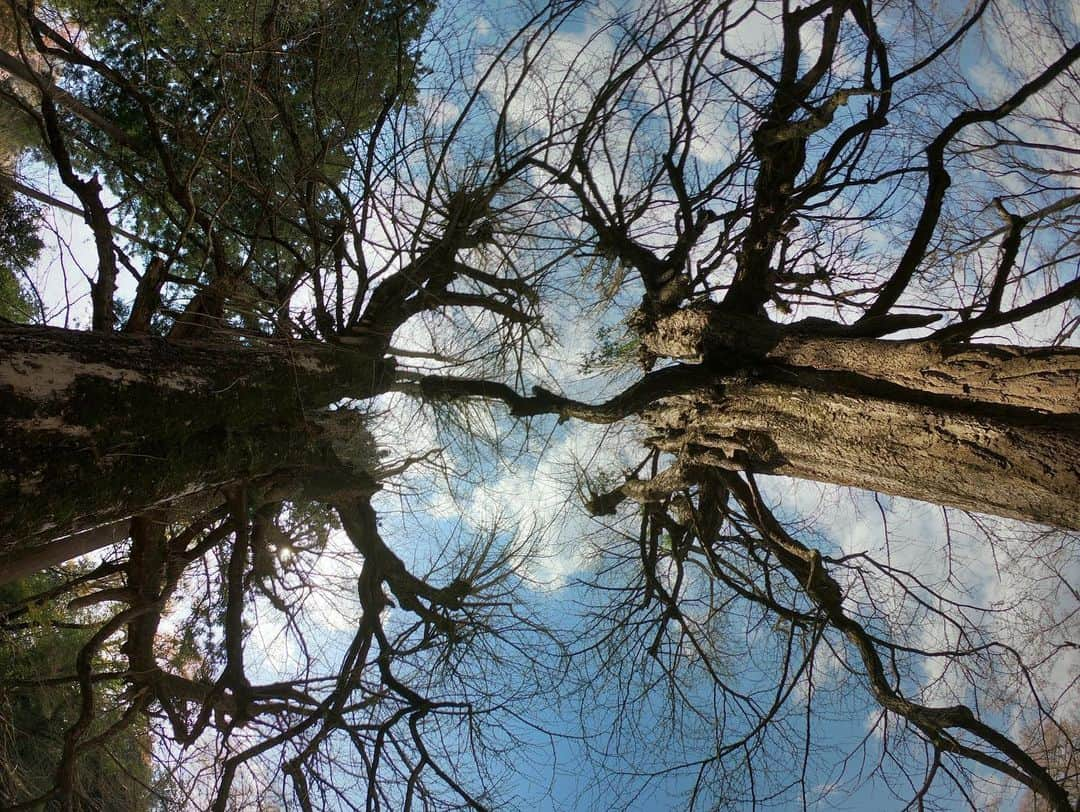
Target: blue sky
535	490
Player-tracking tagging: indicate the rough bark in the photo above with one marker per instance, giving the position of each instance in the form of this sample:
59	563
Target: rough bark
975	462
1042	379
98	427
986	428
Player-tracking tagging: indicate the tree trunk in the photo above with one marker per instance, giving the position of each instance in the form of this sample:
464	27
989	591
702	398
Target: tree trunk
98	427
993	429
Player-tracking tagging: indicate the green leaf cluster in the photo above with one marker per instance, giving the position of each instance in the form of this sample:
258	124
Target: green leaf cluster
20	246
258	109
39	643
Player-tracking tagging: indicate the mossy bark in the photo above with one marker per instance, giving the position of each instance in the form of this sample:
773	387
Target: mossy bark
98	427
992	429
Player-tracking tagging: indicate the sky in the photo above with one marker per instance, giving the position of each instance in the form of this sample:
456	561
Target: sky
536	489
944	548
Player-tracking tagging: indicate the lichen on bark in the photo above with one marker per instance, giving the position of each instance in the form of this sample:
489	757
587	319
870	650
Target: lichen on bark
100	426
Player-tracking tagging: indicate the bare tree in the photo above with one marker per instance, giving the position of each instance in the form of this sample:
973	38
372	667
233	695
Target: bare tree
765	197
774	278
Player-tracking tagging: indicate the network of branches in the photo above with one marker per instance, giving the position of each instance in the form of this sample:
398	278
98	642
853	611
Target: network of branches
349	266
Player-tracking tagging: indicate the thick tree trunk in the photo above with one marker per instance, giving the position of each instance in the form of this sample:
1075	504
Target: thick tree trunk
986	428
98	427
24	562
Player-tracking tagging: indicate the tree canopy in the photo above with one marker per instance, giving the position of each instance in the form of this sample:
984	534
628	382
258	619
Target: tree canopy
690	391
41	644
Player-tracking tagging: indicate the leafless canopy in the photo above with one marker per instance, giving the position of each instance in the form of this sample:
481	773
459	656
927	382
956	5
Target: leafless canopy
833	243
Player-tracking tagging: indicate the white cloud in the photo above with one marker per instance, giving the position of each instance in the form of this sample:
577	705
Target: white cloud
1011	584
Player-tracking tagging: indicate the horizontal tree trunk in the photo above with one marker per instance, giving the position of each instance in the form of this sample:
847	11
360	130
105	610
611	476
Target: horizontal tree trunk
977	463
1044	379
987	428
23	563
98	427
